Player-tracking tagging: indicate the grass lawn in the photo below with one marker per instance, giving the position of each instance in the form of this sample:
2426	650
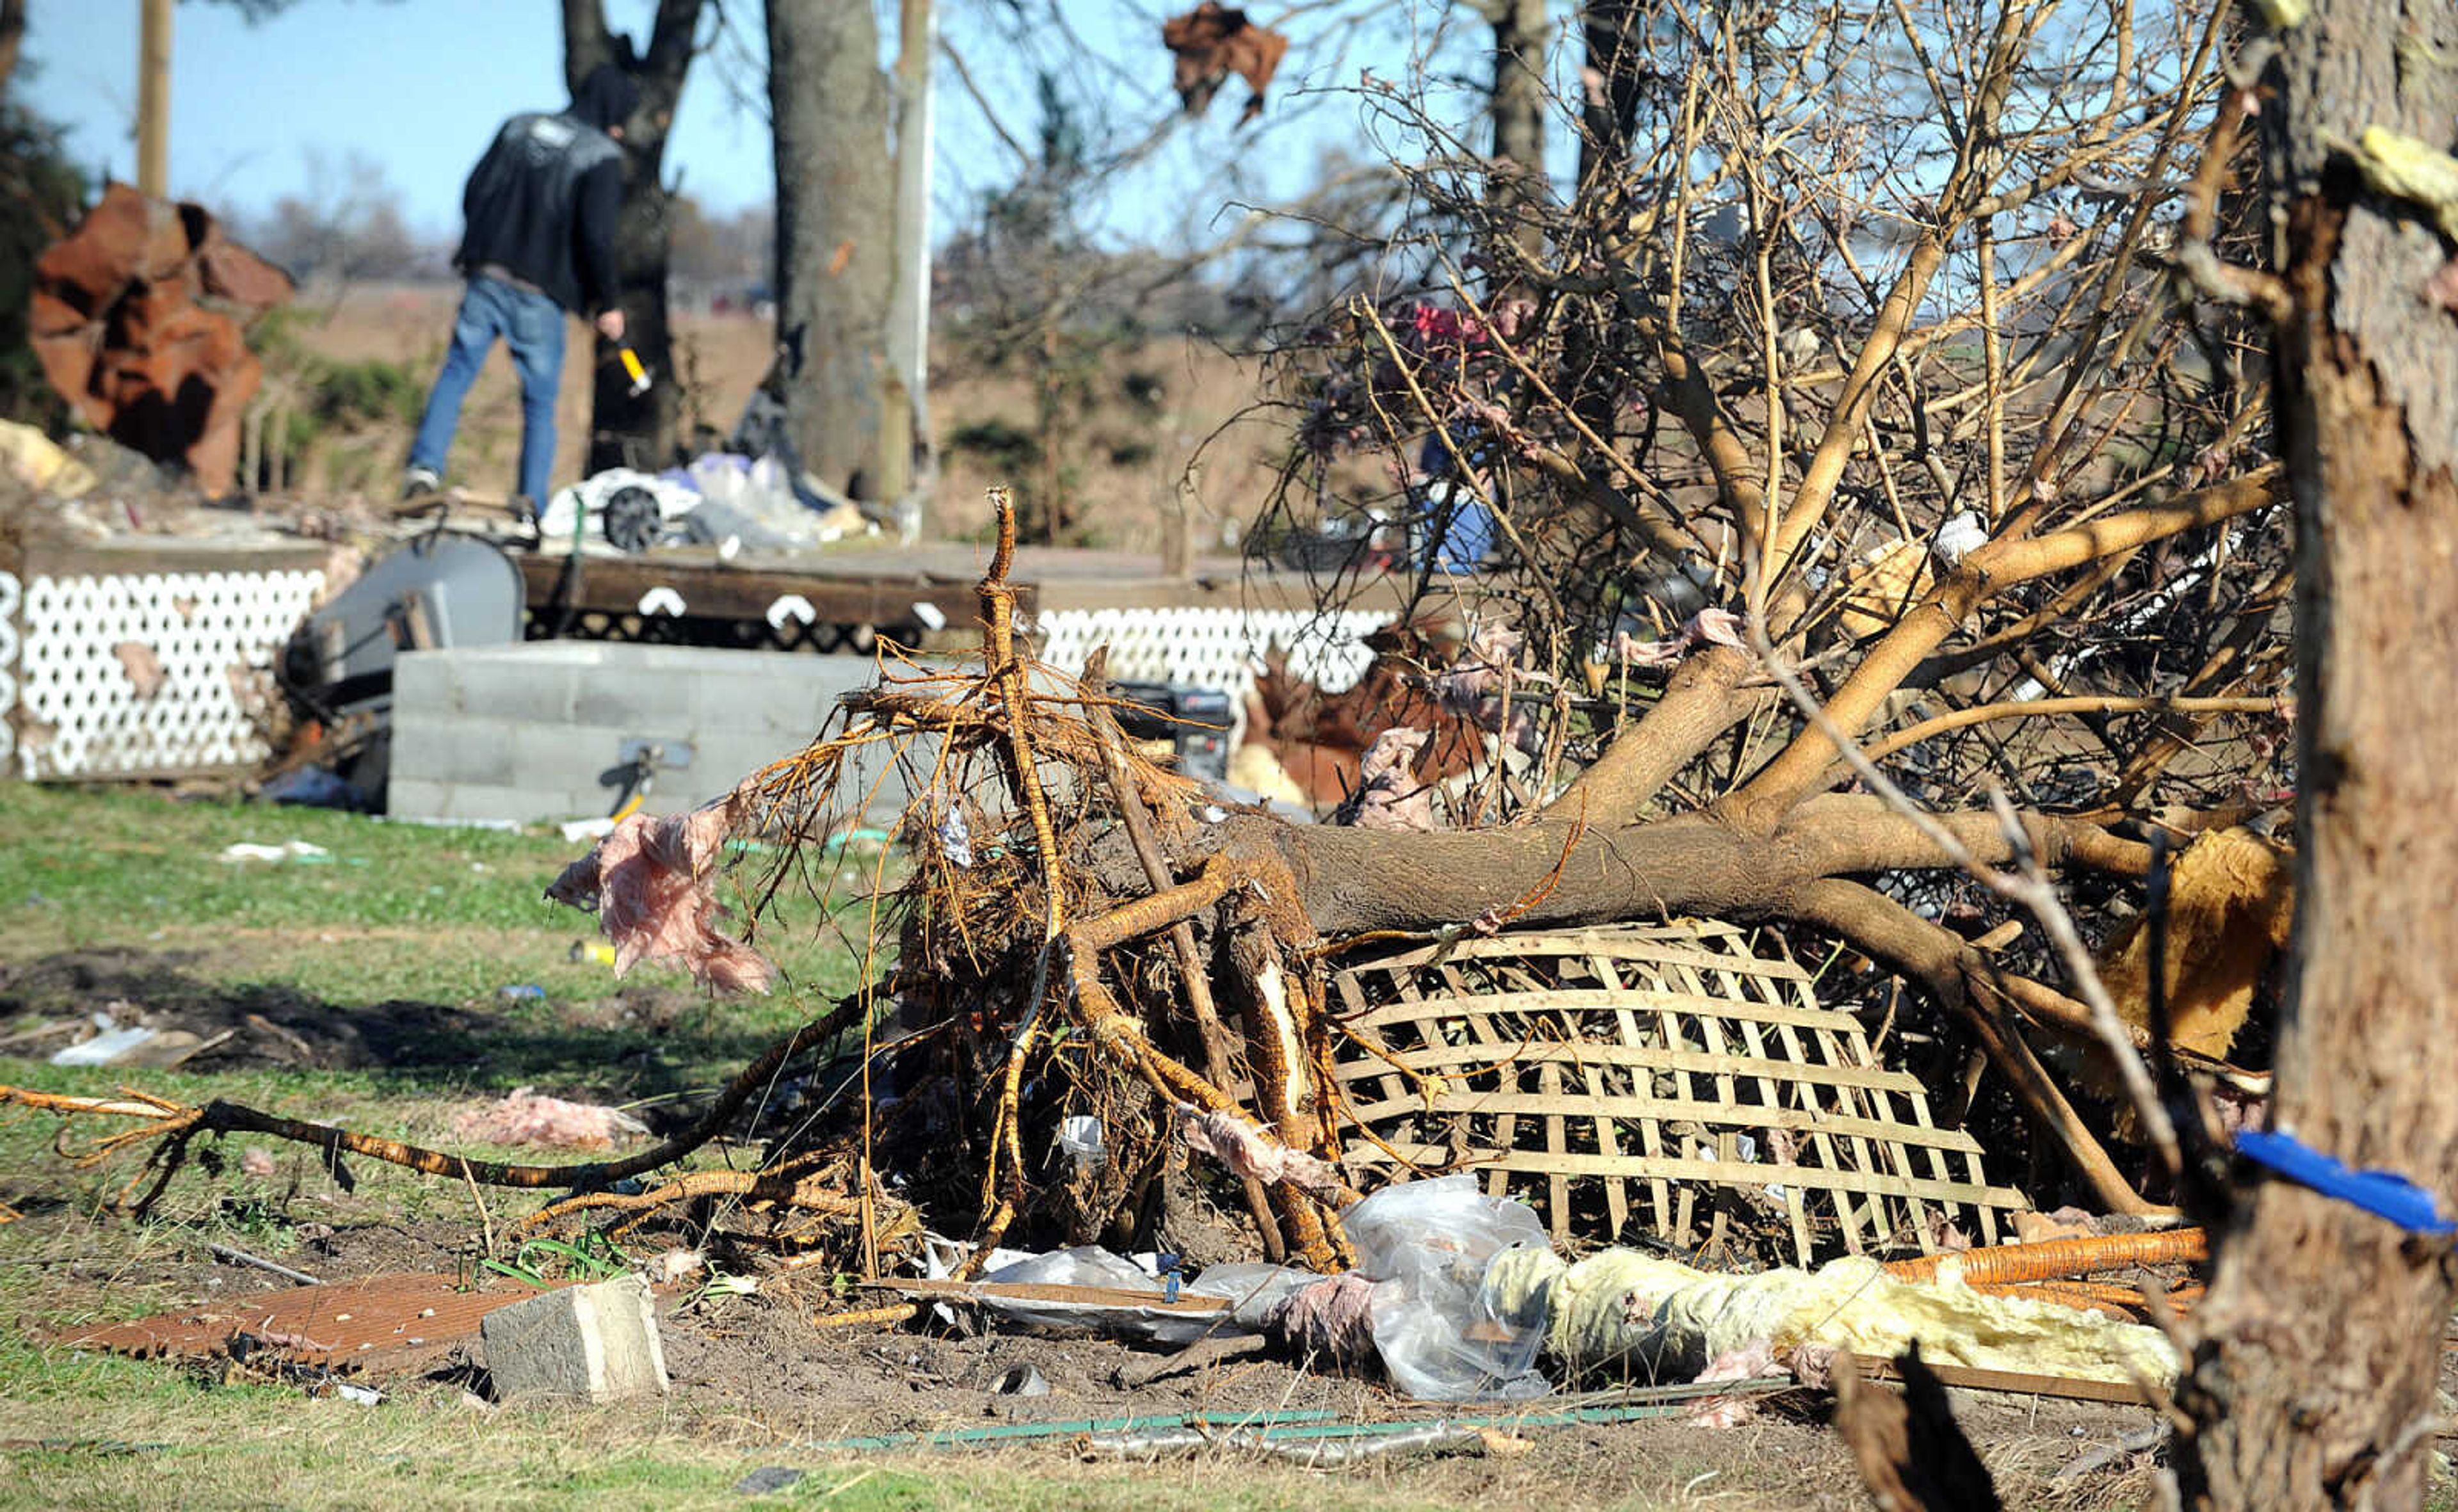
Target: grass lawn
123	895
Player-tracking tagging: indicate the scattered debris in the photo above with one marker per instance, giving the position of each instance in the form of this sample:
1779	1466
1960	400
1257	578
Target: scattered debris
143	668
237	1256
275	855
112	1043
1021	1380
2231	903
1081	1139
1248	1152
1211	42
526	1117
598	1342
122	334
382	1324
651	881
766	1480
41	463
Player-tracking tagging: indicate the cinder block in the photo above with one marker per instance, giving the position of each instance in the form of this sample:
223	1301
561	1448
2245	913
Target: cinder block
412	797
597	1342
757	699
563	757
521	805
426	680
539	689
629	698
452	748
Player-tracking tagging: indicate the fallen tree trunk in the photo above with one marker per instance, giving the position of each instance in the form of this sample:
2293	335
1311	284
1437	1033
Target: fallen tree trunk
1357	881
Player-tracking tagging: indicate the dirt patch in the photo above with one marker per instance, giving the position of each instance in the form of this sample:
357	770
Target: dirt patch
753	1372
250	1024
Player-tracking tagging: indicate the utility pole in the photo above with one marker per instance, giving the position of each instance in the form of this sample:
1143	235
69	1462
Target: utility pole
907	414
154	100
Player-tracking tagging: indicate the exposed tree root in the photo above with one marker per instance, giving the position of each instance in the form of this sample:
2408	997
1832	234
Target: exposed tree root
170	1125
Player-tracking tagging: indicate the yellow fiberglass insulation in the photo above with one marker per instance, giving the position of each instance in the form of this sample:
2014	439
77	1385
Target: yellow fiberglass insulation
1631	1314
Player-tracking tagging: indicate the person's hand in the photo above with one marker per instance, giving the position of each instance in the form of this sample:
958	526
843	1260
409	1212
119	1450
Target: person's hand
610	325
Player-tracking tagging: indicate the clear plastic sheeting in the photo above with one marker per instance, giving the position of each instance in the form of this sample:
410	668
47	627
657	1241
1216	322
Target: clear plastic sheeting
1444	1334
1251	1290
1084	1265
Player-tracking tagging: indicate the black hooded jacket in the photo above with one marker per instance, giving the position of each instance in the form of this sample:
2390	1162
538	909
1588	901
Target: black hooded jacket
542	204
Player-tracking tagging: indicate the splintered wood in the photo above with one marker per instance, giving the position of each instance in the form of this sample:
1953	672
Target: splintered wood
1668	1079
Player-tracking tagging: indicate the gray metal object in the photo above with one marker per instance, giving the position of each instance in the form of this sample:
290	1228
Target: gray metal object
439	591
661	751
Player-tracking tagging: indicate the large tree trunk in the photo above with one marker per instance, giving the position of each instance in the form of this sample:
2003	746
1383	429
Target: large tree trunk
2312	1380
627	430
1521	32
835	222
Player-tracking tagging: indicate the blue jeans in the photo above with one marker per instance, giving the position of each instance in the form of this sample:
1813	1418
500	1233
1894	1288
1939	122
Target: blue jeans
531	325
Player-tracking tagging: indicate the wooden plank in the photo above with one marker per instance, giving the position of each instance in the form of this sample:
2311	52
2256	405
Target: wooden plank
1651	1138
1974	1377
616	585
1654	1115
1613	944
1557	1187
1464	1060
1719	1172
1599	1000
140	555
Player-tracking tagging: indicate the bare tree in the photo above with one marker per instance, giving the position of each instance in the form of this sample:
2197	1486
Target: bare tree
628	428
2316	1354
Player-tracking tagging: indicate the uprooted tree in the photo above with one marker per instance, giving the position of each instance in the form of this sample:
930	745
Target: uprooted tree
1901	366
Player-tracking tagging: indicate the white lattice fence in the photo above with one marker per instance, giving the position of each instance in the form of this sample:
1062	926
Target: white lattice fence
10	594
122	674
1214	648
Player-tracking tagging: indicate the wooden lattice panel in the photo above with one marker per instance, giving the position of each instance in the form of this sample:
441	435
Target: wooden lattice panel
1644	1079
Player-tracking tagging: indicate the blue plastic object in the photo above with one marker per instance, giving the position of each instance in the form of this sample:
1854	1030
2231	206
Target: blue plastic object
2383	1193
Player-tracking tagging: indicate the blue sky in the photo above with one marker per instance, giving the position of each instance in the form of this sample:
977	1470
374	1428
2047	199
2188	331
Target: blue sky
418	86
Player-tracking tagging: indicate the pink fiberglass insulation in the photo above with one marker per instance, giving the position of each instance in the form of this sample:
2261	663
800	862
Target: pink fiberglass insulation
653	885
528	1118
1249	1152
1331	1320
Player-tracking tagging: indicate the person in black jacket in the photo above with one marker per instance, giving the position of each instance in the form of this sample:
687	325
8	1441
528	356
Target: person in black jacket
540	211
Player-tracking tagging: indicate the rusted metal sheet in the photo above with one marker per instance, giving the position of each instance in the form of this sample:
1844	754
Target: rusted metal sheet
121	327
380	1324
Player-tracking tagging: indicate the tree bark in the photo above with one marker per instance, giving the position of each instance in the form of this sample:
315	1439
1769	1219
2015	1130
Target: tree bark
1352	881
835	217
1519	39
1611	87
2315	1352
13	38
1517	106
627	430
